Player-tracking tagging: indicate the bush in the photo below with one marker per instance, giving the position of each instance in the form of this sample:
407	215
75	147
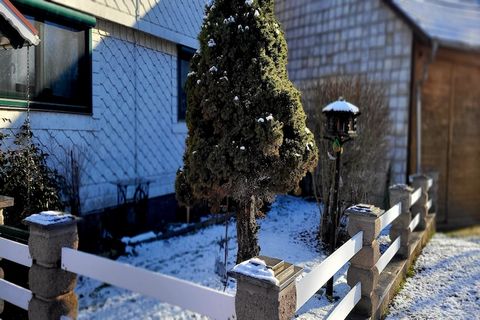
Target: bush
25	176
365	159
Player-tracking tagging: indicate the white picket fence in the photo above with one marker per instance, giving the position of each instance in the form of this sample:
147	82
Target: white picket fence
11	292
191	296
194	297
311	282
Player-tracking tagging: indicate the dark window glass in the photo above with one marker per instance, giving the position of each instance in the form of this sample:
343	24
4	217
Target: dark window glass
184	56
60	72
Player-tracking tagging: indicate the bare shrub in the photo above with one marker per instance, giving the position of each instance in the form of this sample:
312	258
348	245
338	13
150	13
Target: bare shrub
365	159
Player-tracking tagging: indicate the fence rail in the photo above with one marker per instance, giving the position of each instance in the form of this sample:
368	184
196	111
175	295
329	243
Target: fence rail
191	296
414	223
388	217
415	196
347	304
314	280
14	294
388	255
429	204
15	252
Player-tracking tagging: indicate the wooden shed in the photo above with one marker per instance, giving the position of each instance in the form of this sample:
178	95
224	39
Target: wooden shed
445	100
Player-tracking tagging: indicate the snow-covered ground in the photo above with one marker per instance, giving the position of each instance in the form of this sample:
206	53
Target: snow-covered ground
446	284
287	232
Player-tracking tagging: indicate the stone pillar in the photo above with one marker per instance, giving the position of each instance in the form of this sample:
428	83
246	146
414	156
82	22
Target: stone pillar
52	288
362	266
400	226
420	181
5	202
262	299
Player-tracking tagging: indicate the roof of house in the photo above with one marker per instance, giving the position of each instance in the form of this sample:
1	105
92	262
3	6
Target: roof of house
452	23
15	30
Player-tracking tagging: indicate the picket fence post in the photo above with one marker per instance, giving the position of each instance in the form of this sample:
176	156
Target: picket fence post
362	266
401	193
52	288
421	181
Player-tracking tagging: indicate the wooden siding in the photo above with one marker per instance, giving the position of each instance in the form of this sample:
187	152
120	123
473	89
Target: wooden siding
450	131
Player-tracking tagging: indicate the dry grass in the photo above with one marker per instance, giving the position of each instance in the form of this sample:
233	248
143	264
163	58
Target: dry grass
466	232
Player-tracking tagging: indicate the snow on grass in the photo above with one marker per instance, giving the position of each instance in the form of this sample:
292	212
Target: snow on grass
446	284
287	232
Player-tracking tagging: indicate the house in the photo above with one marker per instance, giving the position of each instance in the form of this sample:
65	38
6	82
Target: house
106	89
430	47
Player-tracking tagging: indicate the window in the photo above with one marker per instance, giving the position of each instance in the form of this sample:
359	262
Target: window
185	54
59	68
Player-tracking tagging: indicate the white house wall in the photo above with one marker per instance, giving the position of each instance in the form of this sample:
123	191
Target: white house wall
133	131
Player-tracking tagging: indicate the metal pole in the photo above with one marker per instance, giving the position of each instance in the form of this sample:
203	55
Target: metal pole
335	219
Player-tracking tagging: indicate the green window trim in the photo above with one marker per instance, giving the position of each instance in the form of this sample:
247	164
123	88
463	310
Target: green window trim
50	10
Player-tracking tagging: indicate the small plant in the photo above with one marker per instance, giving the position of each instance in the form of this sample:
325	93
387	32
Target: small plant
25	176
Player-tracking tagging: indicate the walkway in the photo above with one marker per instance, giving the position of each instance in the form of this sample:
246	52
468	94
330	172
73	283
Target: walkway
446	284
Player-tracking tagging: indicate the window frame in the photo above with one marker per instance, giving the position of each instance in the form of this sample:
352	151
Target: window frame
184	53
86	107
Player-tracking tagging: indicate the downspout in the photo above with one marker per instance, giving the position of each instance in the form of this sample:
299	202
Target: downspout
418	91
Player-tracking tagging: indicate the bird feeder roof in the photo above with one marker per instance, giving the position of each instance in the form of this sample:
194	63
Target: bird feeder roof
341	106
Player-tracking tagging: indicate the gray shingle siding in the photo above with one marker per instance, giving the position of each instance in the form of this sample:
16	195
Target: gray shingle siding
353	37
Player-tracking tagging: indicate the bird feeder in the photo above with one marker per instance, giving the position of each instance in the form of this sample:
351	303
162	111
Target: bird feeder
341	120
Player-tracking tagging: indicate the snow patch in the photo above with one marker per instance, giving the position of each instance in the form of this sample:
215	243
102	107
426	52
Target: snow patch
139	238
211	43
242	148
249	2
269	118
260	120
47	218
236	98
256	268
213	69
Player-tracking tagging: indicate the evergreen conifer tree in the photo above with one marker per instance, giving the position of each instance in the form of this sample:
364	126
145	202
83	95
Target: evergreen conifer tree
247	135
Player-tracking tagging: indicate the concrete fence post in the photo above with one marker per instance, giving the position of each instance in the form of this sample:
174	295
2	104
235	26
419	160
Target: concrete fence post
52	288
5	202
362	266
262	299
421	206
401	193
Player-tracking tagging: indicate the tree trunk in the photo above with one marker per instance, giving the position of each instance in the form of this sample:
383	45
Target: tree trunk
247	230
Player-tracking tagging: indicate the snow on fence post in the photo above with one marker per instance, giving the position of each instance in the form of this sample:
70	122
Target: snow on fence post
362	268
52	287
5	202
401	193
421	181
265	289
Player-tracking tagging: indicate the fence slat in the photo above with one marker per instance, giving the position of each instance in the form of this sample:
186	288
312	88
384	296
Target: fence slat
416	195
16	252
344	307
429	204
388	255
388	217
188	295
430	183
14	294
414	223
315	279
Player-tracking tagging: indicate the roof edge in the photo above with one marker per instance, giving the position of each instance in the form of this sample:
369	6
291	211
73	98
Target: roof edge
412	24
